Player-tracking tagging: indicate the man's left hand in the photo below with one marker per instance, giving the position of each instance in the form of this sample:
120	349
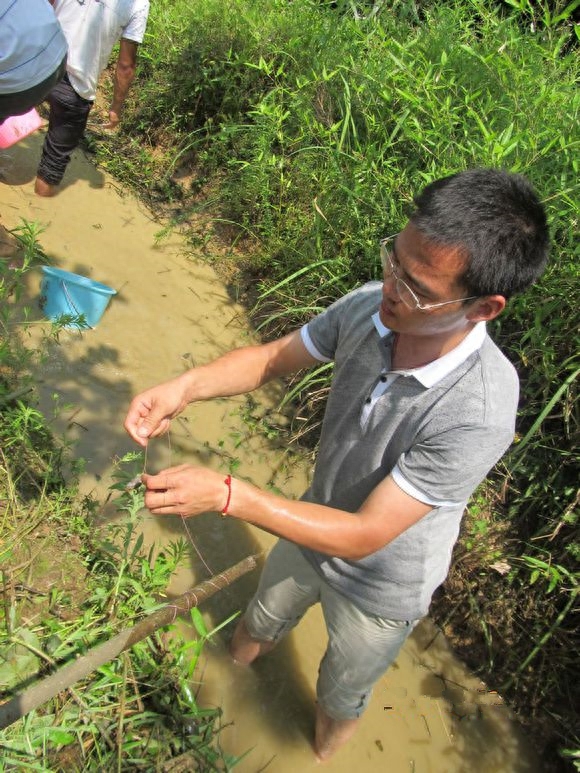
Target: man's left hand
113	122
185	490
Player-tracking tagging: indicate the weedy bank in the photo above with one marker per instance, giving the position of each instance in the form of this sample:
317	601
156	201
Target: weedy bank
296	134
68	586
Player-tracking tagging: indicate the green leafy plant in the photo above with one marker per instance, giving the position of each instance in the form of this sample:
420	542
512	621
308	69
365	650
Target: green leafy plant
138	708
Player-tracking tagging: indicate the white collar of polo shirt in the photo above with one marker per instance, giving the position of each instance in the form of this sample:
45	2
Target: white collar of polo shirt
430	374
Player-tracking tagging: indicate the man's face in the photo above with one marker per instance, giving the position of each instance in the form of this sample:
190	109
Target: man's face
432	273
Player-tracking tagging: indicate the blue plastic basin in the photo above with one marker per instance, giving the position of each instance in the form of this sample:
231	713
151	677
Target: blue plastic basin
64	293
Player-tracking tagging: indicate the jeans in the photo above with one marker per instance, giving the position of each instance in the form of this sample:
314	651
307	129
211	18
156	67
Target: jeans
69	113
360	646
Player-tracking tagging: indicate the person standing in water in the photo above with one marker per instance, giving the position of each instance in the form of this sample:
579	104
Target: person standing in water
422	405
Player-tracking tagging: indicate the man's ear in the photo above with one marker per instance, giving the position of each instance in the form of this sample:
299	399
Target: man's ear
486	308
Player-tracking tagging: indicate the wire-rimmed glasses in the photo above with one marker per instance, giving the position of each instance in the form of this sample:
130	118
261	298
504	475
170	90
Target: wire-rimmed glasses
407	296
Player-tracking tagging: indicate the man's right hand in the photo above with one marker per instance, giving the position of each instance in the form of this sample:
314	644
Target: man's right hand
150	413
113	123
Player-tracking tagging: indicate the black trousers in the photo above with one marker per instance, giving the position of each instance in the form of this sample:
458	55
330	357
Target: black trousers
68	117
22	101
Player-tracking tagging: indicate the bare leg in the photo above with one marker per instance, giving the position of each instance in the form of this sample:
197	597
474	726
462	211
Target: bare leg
331	734
244	649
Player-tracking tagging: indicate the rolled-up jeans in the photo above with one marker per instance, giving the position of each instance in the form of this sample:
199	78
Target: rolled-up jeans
360	646
68	117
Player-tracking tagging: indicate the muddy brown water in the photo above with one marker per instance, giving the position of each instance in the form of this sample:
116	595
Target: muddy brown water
428	713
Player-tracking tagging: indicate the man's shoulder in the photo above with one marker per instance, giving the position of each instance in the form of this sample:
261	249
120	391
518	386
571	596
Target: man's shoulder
368	290
127	10
130	12
346	320
134	19
488	390
493	359
140	6
123	9
358	304
357	307
365	298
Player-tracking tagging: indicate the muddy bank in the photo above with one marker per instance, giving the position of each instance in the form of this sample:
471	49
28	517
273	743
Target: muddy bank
427	713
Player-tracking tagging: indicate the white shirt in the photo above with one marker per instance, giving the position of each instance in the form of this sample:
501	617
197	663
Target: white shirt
32	44
92	28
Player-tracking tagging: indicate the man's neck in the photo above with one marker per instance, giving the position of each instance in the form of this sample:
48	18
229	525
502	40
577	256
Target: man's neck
415	351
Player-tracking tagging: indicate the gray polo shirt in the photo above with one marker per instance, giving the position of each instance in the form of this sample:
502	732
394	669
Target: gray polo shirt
438	430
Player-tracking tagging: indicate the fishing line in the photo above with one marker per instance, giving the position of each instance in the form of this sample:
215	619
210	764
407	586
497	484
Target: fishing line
137	481
183	519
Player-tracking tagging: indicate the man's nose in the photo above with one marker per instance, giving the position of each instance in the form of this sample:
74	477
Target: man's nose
390	288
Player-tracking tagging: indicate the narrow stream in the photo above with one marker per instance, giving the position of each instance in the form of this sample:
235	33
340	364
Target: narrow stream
428	713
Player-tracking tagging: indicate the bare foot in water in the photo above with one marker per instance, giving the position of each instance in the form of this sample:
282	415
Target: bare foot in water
42	188
331	734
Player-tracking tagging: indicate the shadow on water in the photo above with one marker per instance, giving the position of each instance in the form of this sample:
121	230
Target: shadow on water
18	165
275	682
483	733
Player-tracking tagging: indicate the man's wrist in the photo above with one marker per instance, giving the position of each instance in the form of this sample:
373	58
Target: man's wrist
228	483
189	385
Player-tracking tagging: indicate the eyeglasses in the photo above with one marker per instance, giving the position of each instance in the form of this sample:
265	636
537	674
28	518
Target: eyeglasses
403	290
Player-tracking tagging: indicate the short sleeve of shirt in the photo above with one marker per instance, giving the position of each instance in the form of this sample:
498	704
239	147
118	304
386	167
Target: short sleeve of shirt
444	470
134	30
469	428
341	320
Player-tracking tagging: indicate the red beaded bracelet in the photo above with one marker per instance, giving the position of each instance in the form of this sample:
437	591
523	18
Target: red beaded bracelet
228	482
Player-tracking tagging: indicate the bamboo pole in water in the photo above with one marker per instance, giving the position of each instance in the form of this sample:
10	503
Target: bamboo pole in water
66	676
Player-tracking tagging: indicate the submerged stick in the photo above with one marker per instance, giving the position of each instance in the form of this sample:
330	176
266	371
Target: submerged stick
15	395
66	676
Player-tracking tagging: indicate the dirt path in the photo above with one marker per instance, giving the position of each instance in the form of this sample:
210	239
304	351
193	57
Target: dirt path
428	713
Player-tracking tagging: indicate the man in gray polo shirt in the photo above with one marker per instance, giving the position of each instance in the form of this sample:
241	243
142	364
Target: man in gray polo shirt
422	405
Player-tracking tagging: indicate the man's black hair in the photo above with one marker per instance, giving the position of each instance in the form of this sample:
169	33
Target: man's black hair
498	220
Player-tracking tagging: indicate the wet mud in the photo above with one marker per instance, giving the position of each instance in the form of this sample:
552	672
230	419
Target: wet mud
428	713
